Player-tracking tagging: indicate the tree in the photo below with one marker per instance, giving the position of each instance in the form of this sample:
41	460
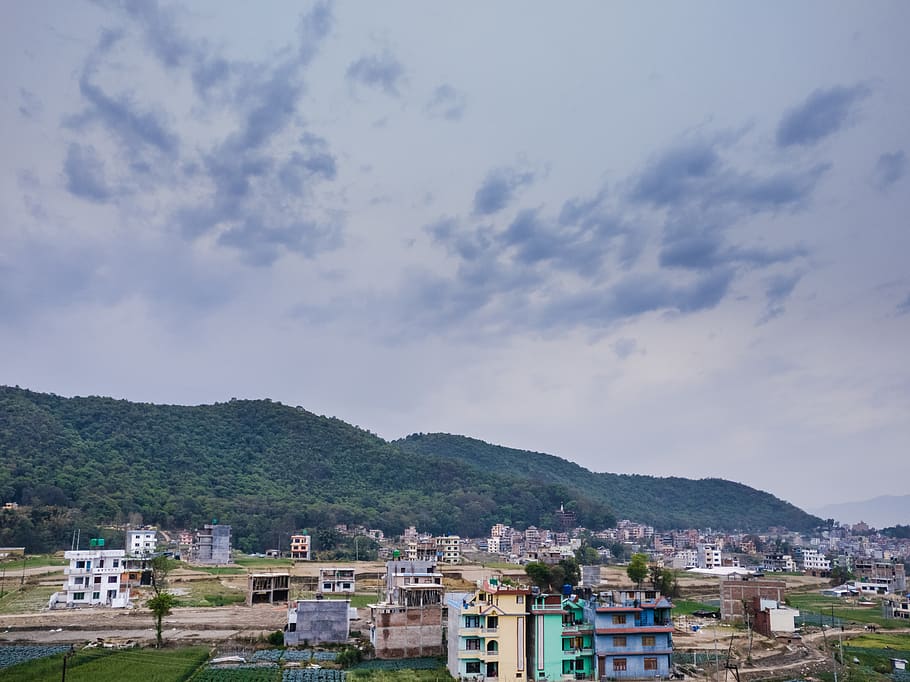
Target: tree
160	606
571	572
840	575
637	570
163	601
539	573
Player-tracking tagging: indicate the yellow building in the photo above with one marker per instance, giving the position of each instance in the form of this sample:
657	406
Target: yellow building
488	633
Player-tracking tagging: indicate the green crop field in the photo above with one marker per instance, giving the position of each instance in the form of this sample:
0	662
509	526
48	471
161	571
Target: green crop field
26	599
843	610
105	665
685	607
437	675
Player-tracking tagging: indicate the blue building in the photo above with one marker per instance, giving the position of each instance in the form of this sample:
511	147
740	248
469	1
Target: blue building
632	634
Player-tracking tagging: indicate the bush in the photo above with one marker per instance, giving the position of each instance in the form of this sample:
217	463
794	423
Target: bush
276	638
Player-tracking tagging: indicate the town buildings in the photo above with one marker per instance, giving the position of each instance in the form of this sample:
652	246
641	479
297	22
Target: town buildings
560	638
409	622
212	545
300	547
141	542
737	590
632	634
487	632
93	578
336	580
318	621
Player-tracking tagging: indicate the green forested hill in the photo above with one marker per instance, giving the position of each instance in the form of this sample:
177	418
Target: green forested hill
263	467
661	502
268	469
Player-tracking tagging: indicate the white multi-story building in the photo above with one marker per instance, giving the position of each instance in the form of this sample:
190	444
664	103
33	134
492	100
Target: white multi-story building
813	560
709	555
335	580
141	541
93	578
448	549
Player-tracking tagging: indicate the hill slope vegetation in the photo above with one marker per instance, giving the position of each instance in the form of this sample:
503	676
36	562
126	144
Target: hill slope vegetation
270	469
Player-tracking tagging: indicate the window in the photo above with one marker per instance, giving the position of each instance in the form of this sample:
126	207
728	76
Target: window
326	586
520	599
647	640
619	664
80	564
650	664
112	594
112	579
619	619
97	579
492	622
116	563
472	667
78	596
472	621
96	596
492	647
619	641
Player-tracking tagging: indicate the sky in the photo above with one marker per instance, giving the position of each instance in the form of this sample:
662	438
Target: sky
656	238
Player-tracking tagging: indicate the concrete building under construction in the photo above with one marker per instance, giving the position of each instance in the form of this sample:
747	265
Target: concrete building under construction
211	545
268	588
409	622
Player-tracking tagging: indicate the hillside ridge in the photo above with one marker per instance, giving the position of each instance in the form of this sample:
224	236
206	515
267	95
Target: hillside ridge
270	469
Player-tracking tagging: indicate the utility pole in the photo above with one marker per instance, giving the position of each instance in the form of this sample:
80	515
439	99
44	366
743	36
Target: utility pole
69	654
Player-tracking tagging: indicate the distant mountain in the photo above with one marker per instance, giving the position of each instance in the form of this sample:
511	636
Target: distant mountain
662	502
269	469
879	512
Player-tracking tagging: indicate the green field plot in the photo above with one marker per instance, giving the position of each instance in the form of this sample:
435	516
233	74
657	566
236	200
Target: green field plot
105	665
210	593
874	654
259	673
219	570
27	598
686	607
262	562
826	607
404	675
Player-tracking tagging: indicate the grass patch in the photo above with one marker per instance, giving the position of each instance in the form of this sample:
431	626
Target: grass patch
210	593
262	562
218	570
828	606
34	561
437	675
27	599
105	665
686	607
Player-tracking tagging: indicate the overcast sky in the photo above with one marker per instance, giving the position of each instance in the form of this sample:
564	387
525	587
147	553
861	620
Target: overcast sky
657	238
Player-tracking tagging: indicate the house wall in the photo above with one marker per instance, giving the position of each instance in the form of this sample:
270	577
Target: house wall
318	621
406	632
733	591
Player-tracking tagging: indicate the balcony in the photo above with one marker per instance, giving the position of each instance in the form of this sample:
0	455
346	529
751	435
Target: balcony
477	655
577	629
575	653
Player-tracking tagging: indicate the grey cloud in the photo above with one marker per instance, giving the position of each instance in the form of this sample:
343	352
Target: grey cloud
825	112
446	102
30	107
889	168
160	30
261	243
777	291
634	295
624	347
121	116
695	174
903	308
676	172
313	29
498	189
84	173
705	247
382	71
